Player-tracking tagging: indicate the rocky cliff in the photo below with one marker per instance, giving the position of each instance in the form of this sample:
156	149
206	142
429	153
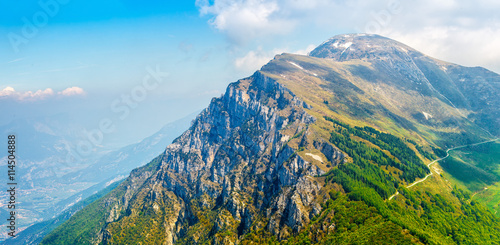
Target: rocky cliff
236	159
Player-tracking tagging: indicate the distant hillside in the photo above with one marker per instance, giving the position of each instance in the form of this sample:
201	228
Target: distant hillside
101	173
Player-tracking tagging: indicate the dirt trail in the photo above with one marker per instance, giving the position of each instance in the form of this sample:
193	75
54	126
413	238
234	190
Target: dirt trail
437	160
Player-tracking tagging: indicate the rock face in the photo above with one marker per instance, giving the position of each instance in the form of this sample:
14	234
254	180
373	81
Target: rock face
236	158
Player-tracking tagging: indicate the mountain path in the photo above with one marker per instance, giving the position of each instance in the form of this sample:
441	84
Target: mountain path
437	160
477	192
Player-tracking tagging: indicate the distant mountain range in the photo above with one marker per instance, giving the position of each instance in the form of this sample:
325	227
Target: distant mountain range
312	150
48	194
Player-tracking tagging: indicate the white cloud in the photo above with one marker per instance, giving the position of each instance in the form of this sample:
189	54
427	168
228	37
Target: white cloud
72	91
243	20
7	91
11	93
38	95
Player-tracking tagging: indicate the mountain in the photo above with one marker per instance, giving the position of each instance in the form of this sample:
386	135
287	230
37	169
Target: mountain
329	148
97	174
473	91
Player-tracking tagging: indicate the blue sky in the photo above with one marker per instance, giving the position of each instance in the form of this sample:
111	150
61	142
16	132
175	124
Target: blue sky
105	49
99	45
79	57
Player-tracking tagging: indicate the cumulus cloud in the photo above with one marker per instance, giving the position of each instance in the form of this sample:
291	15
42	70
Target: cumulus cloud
11	93
38	95
72	91
7	91
243	20
437	28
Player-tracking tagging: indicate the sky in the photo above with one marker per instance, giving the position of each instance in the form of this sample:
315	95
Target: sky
143	64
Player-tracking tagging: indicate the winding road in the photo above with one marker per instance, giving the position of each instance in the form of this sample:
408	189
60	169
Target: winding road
437	160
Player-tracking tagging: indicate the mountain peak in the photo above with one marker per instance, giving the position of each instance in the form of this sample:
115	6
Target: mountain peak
360	46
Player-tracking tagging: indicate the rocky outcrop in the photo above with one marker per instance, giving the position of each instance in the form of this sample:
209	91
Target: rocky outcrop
236	159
